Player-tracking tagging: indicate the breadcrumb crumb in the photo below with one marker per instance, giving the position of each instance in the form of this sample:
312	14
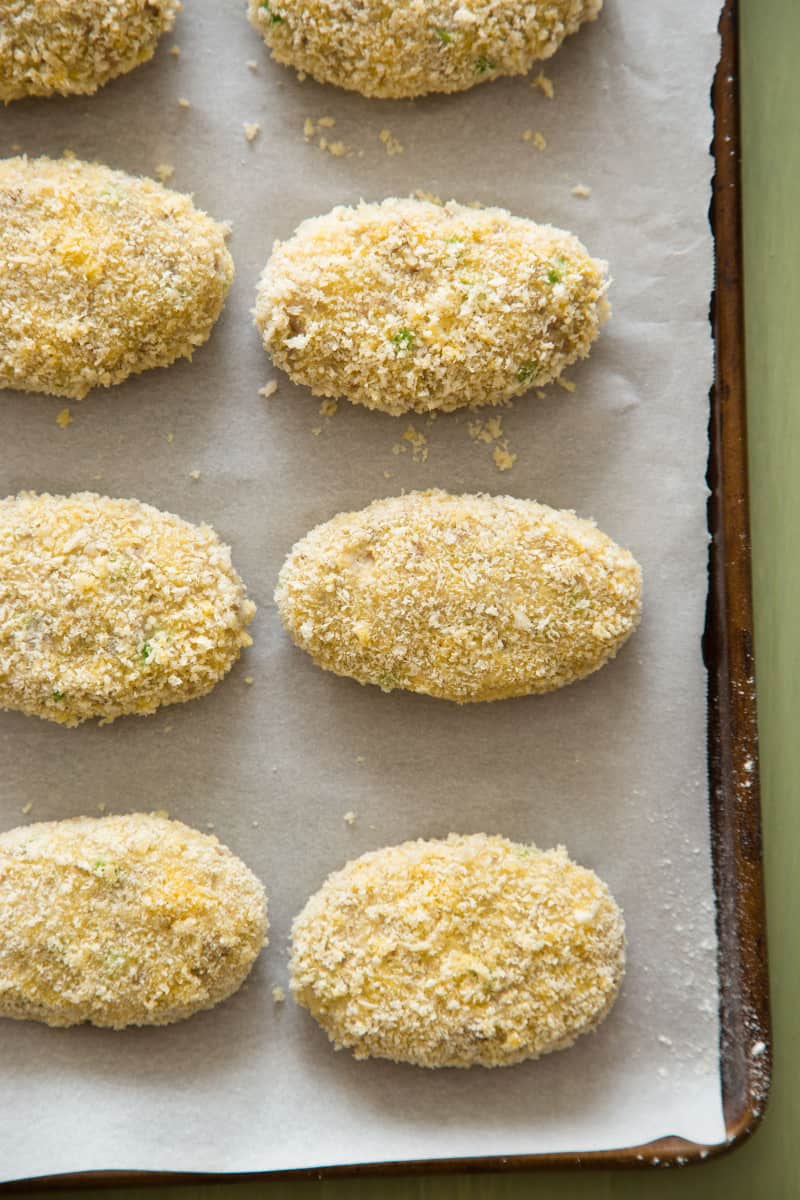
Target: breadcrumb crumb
539	141
269	389
567	384
251	130
503	458
278	994
164	171
175	51
64	418
418	442
391	144
184	103
582	191
544	84
350	818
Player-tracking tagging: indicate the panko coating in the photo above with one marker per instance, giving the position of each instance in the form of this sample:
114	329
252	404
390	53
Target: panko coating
414	47
102	275
471	951
132	920
73	47
410	305
110	607
465	598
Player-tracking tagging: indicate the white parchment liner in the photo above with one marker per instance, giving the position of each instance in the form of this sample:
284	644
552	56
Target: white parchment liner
614	767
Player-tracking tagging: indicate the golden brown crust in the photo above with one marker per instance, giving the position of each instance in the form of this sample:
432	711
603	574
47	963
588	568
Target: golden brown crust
461	597
102	275
129	920
73	47
416	46
456	953
409	305
110	607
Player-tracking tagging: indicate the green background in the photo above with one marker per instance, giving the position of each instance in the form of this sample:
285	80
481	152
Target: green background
768	1166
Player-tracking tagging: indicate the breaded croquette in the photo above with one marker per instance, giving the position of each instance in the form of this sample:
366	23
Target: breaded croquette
129	920
73	47
110	607
461	597
414	47
102	275
457	953
414	306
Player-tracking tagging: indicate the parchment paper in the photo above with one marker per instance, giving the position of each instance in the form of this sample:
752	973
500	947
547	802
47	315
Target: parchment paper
614	767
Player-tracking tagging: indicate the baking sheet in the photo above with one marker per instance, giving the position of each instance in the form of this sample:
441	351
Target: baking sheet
614	767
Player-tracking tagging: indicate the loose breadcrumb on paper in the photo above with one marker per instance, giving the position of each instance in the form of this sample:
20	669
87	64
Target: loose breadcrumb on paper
26	808
544	84
329	407
269	389
184	103
527	135
504	459
170	438
582	191
566	384
278	994
326	122
349	818
418	442
391	144
431	197
316	430
309	128
194	475
336	149
249	679
251	130
539	141
164	171
64	418
251	64
175	51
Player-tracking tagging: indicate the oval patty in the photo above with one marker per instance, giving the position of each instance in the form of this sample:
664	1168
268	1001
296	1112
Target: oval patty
411	48
460	597
110	607
409	305
131	920
101	276
75	46
456	953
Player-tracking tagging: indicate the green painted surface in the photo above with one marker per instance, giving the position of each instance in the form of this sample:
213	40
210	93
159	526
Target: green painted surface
768	1167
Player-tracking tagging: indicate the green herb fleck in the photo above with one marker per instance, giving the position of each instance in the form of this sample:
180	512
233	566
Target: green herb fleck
444	37
274	18
526	372
403	340
58	695
146	652
554	276
483	64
